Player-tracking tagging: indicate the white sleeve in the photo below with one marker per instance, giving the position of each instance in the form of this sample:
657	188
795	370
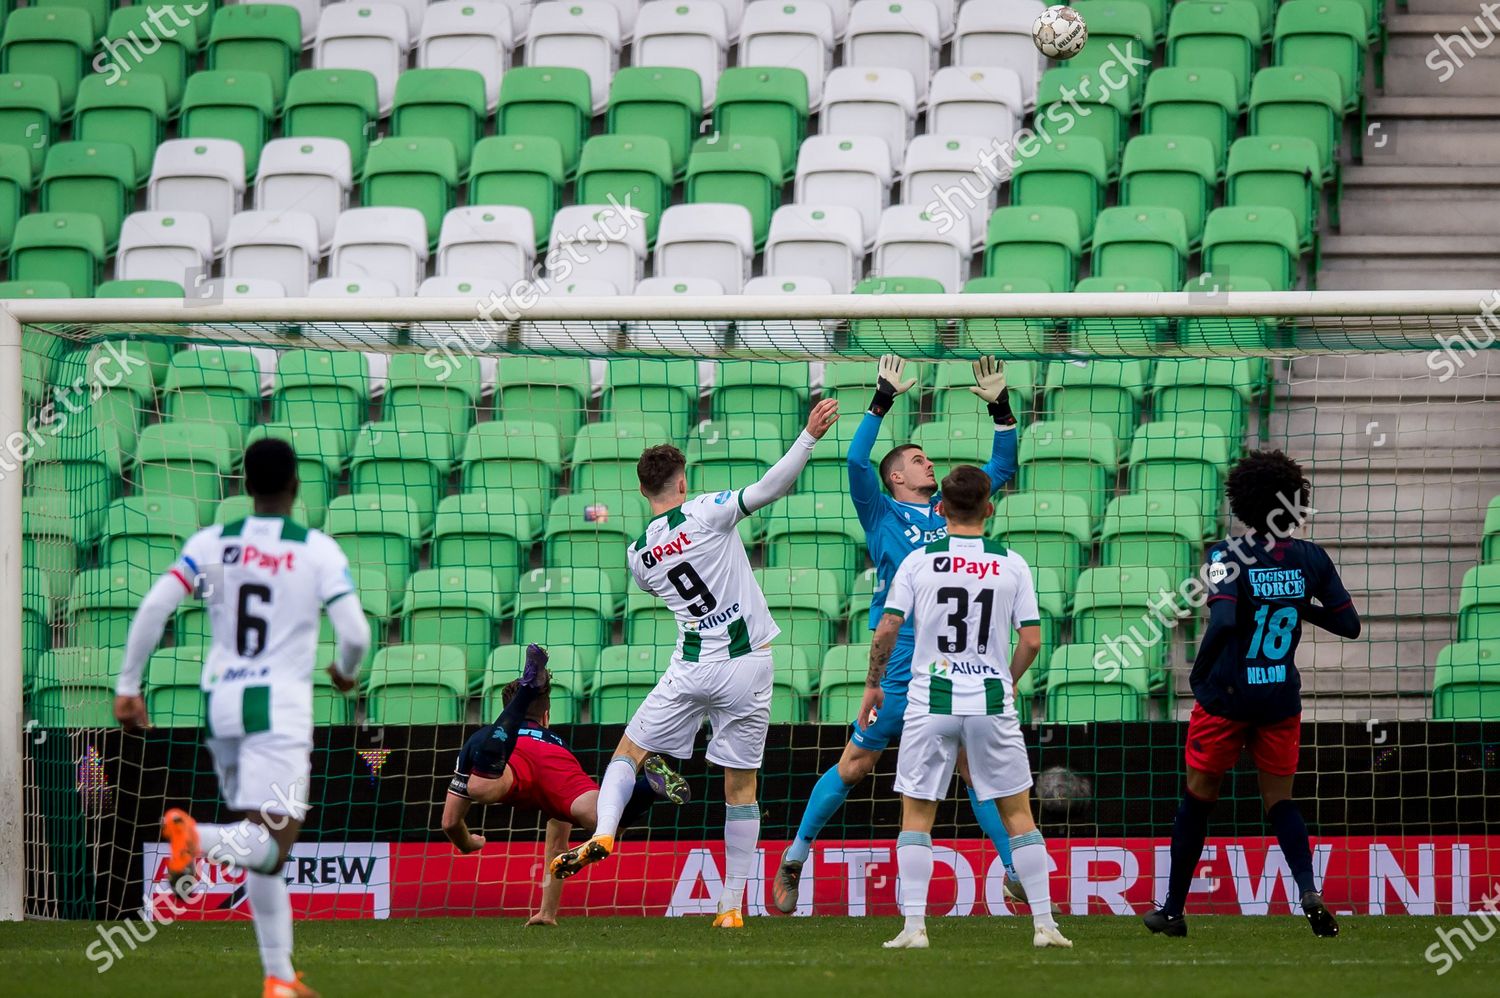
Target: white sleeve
147	628
902	595
351	632
778	481
1024	612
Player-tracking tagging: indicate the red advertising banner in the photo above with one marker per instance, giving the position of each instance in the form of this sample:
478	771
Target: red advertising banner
325	880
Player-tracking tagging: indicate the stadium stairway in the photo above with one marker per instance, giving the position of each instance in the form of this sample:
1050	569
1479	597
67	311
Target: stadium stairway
1423	208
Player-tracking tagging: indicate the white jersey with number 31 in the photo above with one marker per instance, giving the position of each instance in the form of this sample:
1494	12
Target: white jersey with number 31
692	557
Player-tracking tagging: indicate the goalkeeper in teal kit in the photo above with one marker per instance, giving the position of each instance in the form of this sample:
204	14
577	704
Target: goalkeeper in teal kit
897	521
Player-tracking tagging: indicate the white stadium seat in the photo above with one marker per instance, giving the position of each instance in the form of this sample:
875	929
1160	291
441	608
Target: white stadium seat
584	34
947	169
220	289
606	248
701	335
999	34
826	241
414	9
165	246
785	284
498	241
204	175
282	246
371	36
520	16
905	35
983	101
590	337
690	34
910	244
879	102
947	11
460	34
734	16
785	34
346	287
305	174
840	11
308	10
444	335
716	241
377	362
853	170
776	334
628	12
386	243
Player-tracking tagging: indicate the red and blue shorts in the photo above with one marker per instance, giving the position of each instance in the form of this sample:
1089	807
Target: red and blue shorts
547	777
1214	743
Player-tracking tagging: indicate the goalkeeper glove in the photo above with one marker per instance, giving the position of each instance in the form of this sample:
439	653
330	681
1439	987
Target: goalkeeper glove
989	384
890	384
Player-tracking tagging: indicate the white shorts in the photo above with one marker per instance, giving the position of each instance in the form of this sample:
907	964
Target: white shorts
998	766
262	753
735	696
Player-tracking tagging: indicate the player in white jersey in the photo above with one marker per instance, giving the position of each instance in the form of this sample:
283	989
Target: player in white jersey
965	595
692	557
266	580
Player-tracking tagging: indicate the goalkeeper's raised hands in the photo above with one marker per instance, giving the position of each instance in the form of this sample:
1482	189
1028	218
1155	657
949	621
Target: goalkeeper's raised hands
891	382
989	384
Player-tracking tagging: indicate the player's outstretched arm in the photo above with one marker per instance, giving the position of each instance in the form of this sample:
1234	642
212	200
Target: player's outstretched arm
1337	615
989	385
1028	645
556	843
455	809
146	629
778	481
864	483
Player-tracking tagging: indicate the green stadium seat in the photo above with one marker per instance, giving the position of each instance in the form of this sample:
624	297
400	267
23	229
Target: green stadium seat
75	688
1281	170
1141	242
492	530
85	467
816	531
571	607
379	531
328	389
93	178
414	461
235	508
547	101
664	392
522	170
827	471
1465	682
1300	101
634	170
417	684
1479	604
737	170
877	336
47	547
1328	33
97	10
952	399
1171	170
593	531
214	386
454	607
841	684
375	600
36	622
1112	607
860	599
1161	529
1185	456
773	390
418	393
1079	692
1257	241
807	604
1224	33
146	531
441	103
793	685
1116	25
333	103
1109	109
569	690
102	603
1217	390
239	105
412	173
1006	335
1195	100
951	442
329	705
15	192
320	462
657	100
120	391
1117	335
132	112
648	621
1043	243
173	690
49	41
1066	173
1491	549
1052	602
34	289
169	61
192	460
1265	11
626	674
30	111
767	101
513	455
730	454
139	289
1230	334
257	37
1075	456
1109	392
545	390
1051	530
66	247
605	455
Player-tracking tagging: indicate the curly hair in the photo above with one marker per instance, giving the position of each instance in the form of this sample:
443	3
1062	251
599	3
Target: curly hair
1264	481
540	705
658	467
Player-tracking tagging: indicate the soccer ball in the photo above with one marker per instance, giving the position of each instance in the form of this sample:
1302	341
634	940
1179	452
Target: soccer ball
1059	32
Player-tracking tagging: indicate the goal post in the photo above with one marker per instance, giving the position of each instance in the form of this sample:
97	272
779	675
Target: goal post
529	413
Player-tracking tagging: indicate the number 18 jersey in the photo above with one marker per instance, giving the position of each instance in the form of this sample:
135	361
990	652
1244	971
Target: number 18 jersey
692	557
964	596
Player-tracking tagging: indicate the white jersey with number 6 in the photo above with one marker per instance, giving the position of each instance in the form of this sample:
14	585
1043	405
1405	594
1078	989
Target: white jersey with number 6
692	557
965	597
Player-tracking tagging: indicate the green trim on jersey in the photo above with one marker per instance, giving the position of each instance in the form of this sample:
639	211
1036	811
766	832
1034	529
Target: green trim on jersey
1031	623
994	696
940	695
992	546
232	529
739	638
255	709
739	499
334	599
894	612
941	545
675	518
291	530
692	646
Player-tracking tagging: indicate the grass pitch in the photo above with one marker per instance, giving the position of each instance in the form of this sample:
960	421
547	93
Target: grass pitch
786	958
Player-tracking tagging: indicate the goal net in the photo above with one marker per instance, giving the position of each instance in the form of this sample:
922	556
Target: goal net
477	464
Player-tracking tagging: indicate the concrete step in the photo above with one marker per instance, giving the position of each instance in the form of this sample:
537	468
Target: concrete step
1439	437
1445	131
1414	376
1420	200
1386	506
1453	11
1387	277
1412	256
1435	54
1365	708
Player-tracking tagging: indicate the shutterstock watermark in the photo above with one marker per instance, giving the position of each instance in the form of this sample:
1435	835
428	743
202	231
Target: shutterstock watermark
118	56
106	370
1472	339
1452	52
1473	930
